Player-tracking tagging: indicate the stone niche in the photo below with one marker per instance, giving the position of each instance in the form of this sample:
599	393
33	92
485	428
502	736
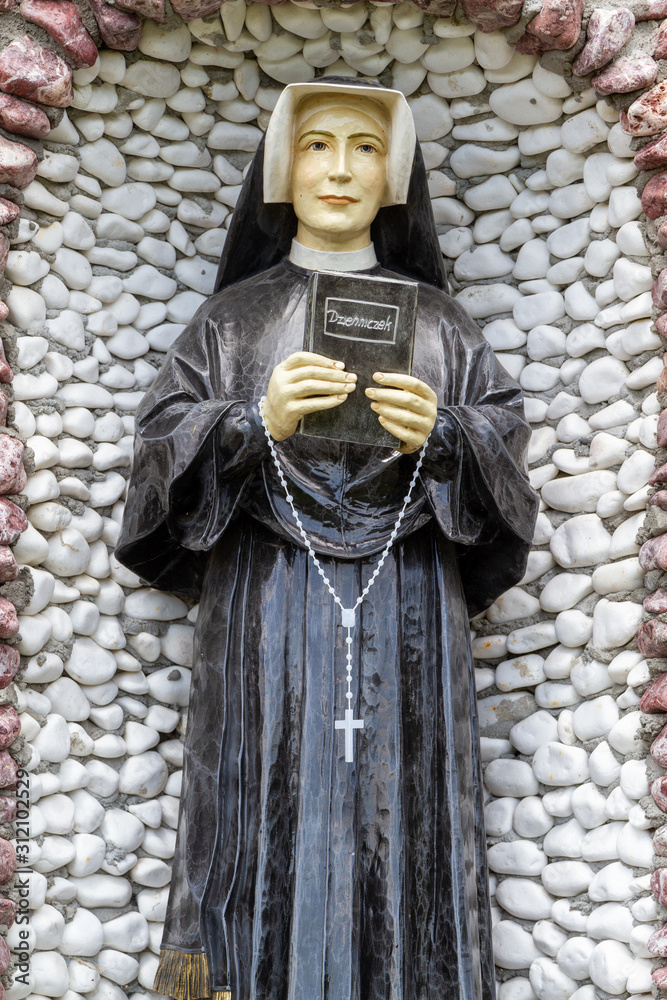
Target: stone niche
125	132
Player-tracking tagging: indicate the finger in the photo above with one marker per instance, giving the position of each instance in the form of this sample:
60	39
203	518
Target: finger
319	372
300	358
403	398
303	406
401	416
403	433
316	387
406	382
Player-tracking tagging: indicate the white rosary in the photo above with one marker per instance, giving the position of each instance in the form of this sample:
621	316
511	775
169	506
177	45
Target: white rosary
348	615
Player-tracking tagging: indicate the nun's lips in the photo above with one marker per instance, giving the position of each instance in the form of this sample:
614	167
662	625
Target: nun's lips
334	199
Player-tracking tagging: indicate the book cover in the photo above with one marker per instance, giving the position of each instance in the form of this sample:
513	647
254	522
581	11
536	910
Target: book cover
369	323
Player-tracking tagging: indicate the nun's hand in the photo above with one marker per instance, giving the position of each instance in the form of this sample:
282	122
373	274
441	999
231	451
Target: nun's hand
304	383
406	407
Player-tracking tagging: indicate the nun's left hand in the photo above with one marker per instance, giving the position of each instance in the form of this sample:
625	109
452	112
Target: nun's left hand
406	407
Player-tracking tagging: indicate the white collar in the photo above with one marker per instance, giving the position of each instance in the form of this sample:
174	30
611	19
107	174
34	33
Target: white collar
330	260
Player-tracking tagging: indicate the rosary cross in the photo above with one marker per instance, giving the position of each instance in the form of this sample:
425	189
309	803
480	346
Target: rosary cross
349	724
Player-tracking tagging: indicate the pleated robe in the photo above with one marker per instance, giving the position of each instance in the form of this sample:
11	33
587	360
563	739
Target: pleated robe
297	875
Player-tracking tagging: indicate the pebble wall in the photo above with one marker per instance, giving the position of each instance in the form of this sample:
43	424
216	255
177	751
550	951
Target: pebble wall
124	202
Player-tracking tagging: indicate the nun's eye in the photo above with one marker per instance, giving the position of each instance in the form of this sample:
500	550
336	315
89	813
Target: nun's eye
366	147
317	146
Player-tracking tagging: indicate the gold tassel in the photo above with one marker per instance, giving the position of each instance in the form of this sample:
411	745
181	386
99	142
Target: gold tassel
184	975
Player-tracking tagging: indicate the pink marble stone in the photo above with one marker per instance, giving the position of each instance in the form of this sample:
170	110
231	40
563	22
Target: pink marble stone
625	75
8	770
652	641
7	868
662	430
654	196
8	910
8	810
656	603
23	119
190	10
7	4
659	748
660	848
12	474
28	69
653	154
659	977
659	296
659	792
145	8
4	407
657	943
18	164
63	22
10	661
9	569
492	15
608	31
653	553
8	212
6	374
9	623
649	10
659	500
654	698
648	114
660	51
557	26
659	476
13	521
119	29
5	956
10	726
4	250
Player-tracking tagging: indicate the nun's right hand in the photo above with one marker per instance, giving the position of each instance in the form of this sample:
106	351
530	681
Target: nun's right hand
304	383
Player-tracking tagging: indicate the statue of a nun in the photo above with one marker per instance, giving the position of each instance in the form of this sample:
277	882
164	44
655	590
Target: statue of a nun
321	859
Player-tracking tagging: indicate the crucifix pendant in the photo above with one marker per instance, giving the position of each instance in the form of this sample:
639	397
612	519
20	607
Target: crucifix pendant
349	724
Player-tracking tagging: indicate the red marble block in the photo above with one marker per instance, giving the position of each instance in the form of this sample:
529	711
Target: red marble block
659	792
12	474
656	603
9	623
659	499
5	956
190	10
4	311
659	748
660	848
119	29
8	810
653	553
18	164
657	943
8	212
13	521
63	22
23	119
557	26
654	698
145	8
10	726
9	569
7	865
492	15
659	296
10	661
6	374
648	114
652	641
653	154
8	910
649	10
8	770
28	69
659	476
625	75
654	196
660	51
661	430
607	33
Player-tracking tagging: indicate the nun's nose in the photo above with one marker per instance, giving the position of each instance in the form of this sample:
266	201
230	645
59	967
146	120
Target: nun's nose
340	170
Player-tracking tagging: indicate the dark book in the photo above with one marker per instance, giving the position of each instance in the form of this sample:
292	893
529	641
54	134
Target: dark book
369	323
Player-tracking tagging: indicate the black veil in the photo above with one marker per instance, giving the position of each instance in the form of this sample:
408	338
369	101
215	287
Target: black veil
260	234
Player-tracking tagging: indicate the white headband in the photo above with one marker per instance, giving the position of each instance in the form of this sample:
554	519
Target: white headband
280	137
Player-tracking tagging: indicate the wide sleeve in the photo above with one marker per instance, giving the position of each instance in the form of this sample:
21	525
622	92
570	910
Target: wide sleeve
197	445
474	472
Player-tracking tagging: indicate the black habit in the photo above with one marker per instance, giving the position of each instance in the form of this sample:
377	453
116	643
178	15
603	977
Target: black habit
298	876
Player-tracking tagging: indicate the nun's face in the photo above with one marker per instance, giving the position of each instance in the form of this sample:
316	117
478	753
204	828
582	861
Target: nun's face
339	175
